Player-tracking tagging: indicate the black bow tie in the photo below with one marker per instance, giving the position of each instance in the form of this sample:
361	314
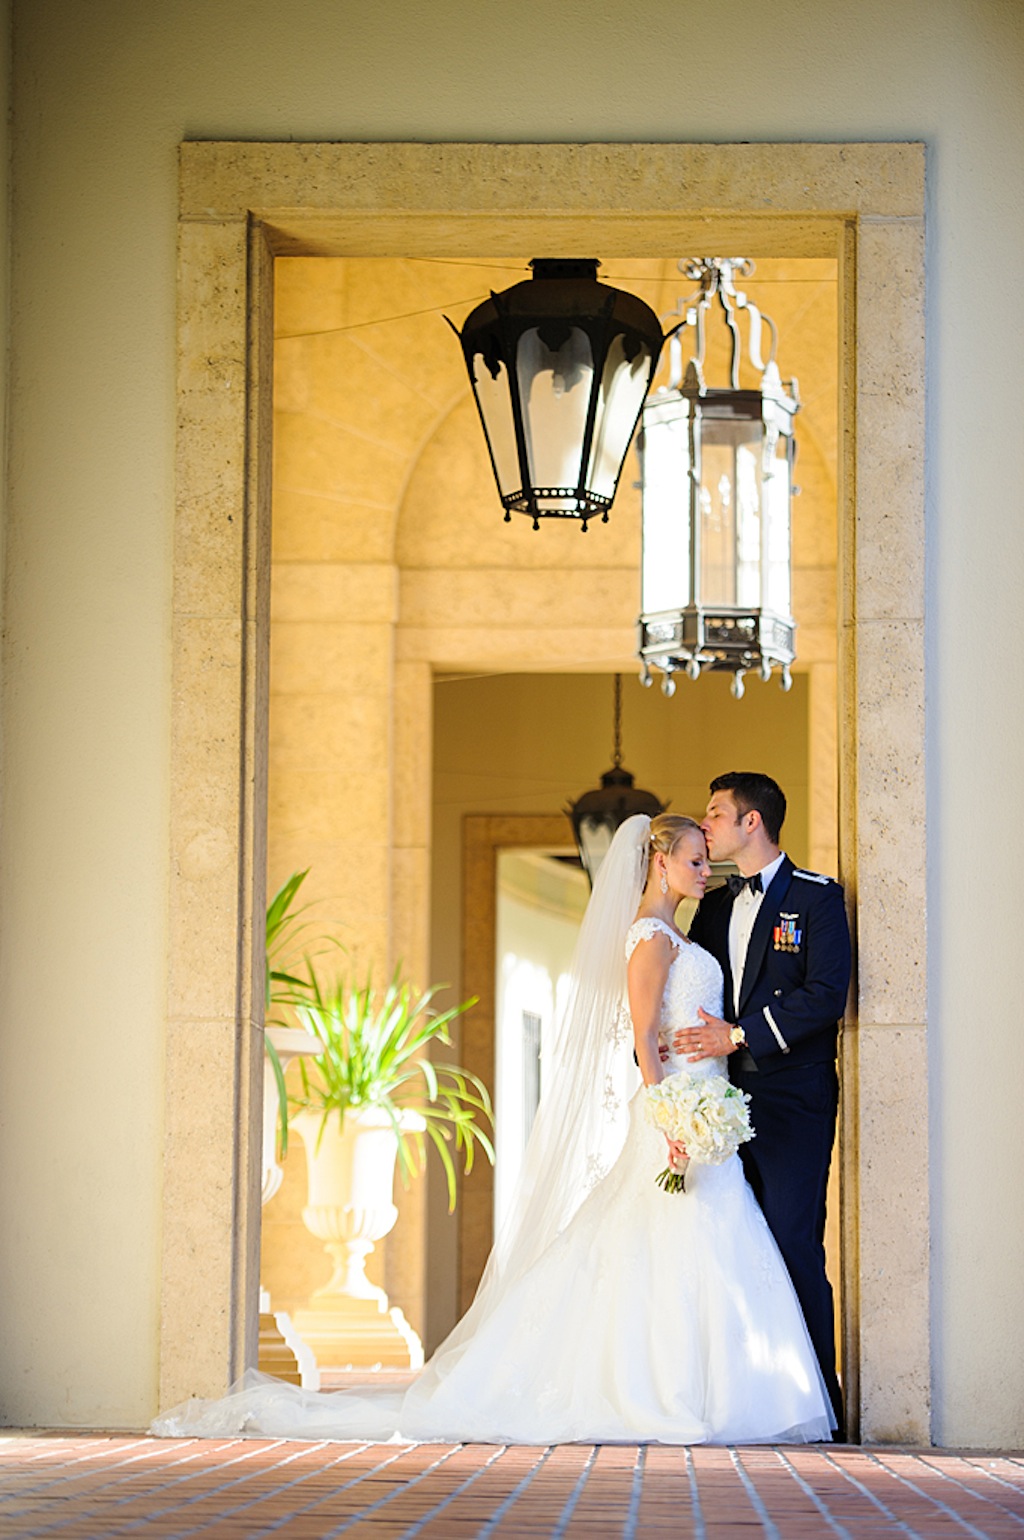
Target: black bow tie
737	884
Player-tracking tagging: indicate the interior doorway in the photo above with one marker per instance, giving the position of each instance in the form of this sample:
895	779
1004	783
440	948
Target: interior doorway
541	898
533	742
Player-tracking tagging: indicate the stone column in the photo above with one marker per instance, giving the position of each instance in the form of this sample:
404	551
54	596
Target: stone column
350	789
823	769
214	1066
884	681
412	759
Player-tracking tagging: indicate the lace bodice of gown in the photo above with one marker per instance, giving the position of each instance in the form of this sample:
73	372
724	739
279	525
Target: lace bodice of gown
694	979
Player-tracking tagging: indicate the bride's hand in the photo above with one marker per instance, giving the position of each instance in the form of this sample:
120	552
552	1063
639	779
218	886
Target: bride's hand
677	1156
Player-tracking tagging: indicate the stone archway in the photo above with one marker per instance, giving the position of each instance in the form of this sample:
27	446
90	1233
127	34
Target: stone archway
240	206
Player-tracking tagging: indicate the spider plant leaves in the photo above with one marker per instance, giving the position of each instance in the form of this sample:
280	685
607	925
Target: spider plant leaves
283	928
375	1054
279	910
375	1048
285	931
283	925
282	1096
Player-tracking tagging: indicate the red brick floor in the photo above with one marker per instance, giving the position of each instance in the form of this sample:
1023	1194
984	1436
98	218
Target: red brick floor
96	1485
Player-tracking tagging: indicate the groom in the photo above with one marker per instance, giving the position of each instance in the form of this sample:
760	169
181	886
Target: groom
782	939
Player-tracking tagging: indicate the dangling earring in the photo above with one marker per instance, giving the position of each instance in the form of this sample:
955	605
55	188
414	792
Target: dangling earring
664	883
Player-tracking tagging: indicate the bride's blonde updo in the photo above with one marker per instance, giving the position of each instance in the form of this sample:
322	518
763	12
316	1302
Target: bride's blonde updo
668	829
666	832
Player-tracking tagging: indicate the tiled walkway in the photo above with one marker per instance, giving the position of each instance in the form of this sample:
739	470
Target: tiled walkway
98	1486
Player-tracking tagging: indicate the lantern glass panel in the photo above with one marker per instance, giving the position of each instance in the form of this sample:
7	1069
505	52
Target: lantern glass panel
623	387
554	387
730	512
666	510
778	597
495	400
595	836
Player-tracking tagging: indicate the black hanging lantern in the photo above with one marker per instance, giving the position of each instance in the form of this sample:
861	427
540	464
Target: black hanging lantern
560	365
716	473
597	814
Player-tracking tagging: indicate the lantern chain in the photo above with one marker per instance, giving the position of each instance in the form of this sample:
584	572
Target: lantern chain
617	751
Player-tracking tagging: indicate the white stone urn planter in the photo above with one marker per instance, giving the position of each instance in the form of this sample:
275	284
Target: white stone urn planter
351	1174
290	1043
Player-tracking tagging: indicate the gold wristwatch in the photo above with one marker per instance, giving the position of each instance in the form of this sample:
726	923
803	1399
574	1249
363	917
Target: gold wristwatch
737	1037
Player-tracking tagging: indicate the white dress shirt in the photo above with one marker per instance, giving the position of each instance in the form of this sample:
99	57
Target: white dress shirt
745	908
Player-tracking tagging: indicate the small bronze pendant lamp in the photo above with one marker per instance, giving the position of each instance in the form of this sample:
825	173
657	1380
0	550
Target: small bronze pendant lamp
597	814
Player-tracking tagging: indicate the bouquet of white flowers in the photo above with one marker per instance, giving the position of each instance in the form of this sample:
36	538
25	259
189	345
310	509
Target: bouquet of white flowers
710	1116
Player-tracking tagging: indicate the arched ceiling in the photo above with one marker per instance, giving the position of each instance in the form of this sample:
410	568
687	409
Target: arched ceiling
379	455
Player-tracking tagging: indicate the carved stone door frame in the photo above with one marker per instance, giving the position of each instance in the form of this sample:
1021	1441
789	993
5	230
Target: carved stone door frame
243	204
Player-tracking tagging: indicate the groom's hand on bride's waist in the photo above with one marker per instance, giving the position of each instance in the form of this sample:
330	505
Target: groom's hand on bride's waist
710	1038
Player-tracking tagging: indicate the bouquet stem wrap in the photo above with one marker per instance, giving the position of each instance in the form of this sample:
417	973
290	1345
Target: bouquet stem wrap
707	1114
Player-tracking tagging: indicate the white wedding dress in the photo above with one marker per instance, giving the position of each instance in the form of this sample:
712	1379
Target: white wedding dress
651	1317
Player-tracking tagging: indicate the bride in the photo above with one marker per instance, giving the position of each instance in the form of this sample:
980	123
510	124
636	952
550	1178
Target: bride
610	1310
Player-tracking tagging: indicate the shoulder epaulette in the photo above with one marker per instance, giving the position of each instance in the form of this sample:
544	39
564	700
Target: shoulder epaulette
812	877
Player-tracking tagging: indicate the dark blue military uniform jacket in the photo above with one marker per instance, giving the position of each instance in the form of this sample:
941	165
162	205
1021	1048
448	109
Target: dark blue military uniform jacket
798	965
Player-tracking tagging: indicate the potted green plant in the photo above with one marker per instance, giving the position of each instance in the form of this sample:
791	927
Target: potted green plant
374	1059
285	931
370	1097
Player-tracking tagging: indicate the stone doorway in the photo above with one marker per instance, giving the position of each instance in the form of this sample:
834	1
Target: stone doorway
242	205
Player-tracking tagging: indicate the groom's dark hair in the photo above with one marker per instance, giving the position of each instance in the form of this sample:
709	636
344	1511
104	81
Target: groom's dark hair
754	792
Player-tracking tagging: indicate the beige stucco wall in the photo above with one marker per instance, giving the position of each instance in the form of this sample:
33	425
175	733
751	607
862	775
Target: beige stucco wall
5	258
102	95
